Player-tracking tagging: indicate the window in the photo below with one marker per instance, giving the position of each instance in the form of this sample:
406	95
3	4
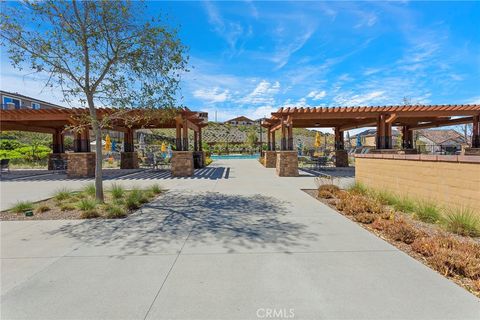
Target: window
7	100
35	106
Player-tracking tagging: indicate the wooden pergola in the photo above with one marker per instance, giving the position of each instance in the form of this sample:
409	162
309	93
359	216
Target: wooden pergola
57	121
409	117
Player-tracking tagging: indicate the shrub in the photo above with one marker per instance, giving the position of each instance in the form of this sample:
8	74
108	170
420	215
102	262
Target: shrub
464	222
22	206
89	189
89	214
352	204
156	189
358	188
62	194
42	208
402	231
115	212
365	217
450	256
67	207
117	191
328	191
87	204
427	212
133	199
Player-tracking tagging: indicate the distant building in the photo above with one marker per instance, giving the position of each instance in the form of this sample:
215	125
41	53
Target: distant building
367	138
12	100
446	141
241	121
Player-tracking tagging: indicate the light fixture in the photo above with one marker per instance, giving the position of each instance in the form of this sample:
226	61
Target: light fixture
317	124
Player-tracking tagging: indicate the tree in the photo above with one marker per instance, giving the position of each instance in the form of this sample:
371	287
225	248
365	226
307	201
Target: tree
252	139
98	52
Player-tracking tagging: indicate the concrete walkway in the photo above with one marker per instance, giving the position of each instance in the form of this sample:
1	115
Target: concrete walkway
242	245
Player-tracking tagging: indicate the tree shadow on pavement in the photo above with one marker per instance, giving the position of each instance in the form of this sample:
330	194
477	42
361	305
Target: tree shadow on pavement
230	223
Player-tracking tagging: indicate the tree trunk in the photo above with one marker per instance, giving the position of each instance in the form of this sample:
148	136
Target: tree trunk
98	151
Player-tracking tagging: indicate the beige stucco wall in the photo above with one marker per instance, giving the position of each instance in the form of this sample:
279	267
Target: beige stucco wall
448	183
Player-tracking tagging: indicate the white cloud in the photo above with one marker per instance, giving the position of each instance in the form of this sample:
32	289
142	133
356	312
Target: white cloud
264	93
317	95
474	100
369	98
214	95
284	50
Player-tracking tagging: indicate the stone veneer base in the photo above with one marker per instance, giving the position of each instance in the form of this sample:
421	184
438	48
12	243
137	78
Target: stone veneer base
81	164
182	163
472	151
287	164
129	160
55	156
270	158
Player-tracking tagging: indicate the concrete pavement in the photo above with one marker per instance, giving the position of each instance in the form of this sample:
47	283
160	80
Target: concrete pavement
241	245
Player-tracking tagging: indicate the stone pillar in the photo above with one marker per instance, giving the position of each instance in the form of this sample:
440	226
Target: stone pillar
81	164
182	163
128	160
287	164
270	158
341	158
56	156
472	151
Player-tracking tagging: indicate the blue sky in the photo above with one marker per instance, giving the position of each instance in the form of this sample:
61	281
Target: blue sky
250	58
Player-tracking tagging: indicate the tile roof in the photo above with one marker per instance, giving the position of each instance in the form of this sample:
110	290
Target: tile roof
441	136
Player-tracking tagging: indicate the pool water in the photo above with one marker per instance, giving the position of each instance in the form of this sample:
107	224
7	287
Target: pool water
236	156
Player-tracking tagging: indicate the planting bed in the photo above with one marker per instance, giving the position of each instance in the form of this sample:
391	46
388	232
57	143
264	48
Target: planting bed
66	204
454	256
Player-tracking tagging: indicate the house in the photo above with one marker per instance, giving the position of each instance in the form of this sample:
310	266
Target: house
367	138
241	121
446	141
12	100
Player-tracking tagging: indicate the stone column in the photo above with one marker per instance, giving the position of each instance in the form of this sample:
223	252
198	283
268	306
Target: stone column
81	164
287	164
270	158
56	156
182	163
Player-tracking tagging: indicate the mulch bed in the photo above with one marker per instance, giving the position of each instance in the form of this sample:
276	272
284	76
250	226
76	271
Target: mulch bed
429	230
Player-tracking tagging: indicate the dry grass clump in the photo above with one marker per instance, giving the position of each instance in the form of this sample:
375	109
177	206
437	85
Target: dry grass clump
67	207
400	230
42	208
450	256
89	214
328	191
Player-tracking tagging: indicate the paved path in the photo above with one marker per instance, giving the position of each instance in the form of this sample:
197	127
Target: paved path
244	245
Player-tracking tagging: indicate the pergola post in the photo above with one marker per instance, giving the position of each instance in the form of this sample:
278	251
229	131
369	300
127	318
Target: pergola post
178	136
283	145
185	135
128	158
200	148
274	145
380	138
269	140
476	132
290	136
195	141
58	148
407	138
341	155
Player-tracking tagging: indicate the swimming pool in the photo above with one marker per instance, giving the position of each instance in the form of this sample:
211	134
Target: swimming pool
236	156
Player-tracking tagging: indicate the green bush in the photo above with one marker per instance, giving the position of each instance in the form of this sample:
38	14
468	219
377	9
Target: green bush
62	194
358	188
115	212
89	214
404	204
117	191
134	199
427	211
386	197
22	206
87	204
156	189
89	189
463	221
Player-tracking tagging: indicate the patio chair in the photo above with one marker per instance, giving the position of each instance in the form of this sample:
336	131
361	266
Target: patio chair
5	165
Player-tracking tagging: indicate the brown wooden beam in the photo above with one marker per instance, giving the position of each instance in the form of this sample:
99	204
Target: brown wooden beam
442	123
